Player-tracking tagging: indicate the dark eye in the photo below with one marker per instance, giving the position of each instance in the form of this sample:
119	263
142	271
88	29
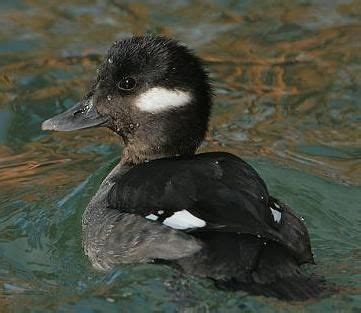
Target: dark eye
126	83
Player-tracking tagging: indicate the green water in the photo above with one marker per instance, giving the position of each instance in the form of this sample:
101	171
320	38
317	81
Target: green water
287	78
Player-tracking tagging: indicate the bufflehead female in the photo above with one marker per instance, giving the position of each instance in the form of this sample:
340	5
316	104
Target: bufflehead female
210	214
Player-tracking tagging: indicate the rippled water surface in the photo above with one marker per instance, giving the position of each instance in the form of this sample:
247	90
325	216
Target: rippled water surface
287	77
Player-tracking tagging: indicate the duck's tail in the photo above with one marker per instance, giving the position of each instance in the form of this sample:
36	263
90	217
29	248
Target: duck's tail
243	262
277	274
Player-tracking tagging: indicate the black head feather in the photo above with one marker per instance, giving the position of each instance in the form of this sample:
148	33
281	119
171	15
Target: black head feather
135	65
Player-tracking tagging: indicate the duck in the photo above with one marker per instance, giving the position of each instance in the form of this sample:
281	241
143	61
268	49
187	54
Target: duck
209	214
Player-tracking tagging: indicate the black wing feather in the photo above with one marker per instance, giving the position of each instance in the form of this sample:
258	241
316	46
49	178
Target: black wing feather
218	188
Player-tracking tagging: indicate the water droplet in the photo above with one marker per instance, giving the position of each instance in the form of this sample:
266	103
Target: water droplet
217	162
111	300
302	218
259	236
137	124
262	197
110	60
109	98
160	212
265	243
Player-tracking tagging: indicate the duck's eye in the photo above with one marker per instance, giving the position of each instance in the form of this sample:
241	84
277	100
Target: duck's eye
127	83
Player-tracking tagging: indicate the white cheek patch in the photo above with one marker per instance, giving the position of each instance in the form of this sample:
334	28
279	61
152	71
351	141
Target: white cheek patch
184	220
159	99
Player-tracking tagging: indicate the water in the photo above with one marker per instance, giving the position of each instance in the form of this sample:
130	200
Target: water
287	78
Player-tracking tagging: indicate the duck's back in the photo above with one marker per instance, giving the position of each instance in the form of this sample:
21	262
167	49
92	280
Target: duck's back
221	190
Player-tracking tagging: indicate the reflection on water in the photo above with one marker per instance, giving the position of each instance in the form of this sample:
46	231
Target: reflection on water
287	77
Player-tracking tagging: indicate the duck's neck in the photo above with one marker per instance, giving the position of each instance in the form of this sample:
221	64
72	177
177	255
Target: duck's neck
132	156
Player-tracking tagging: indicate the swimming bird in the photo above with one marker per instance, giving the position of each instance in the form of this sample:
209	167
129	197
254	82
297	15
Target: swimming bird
209	214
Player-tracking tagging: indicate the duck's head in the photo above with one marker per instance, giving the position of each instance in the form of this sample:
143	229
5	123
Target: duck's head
151	91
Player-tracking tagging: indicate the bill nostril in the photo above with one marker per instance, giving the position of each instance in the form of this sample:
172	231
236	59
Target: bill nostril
79	112
83	110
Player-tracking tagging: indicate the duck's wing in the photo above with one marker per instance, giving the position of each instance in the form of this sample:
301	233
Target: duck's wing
210	192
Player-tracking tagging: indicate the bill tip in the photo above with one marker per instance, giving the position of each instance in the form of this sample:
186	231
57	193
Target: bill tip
47	125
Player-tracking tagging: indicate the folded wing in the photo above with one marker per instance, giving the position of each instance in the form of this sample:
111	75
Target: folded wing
222	193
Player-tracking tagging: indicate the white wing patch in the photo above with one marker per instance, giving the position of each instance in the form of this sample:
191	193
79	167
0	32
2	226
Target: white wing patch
276	215
152	217
184	220
159	99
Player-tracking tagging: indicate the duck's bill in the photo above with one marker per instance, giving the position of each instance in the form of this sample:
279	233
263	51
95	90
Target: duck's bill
82	115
